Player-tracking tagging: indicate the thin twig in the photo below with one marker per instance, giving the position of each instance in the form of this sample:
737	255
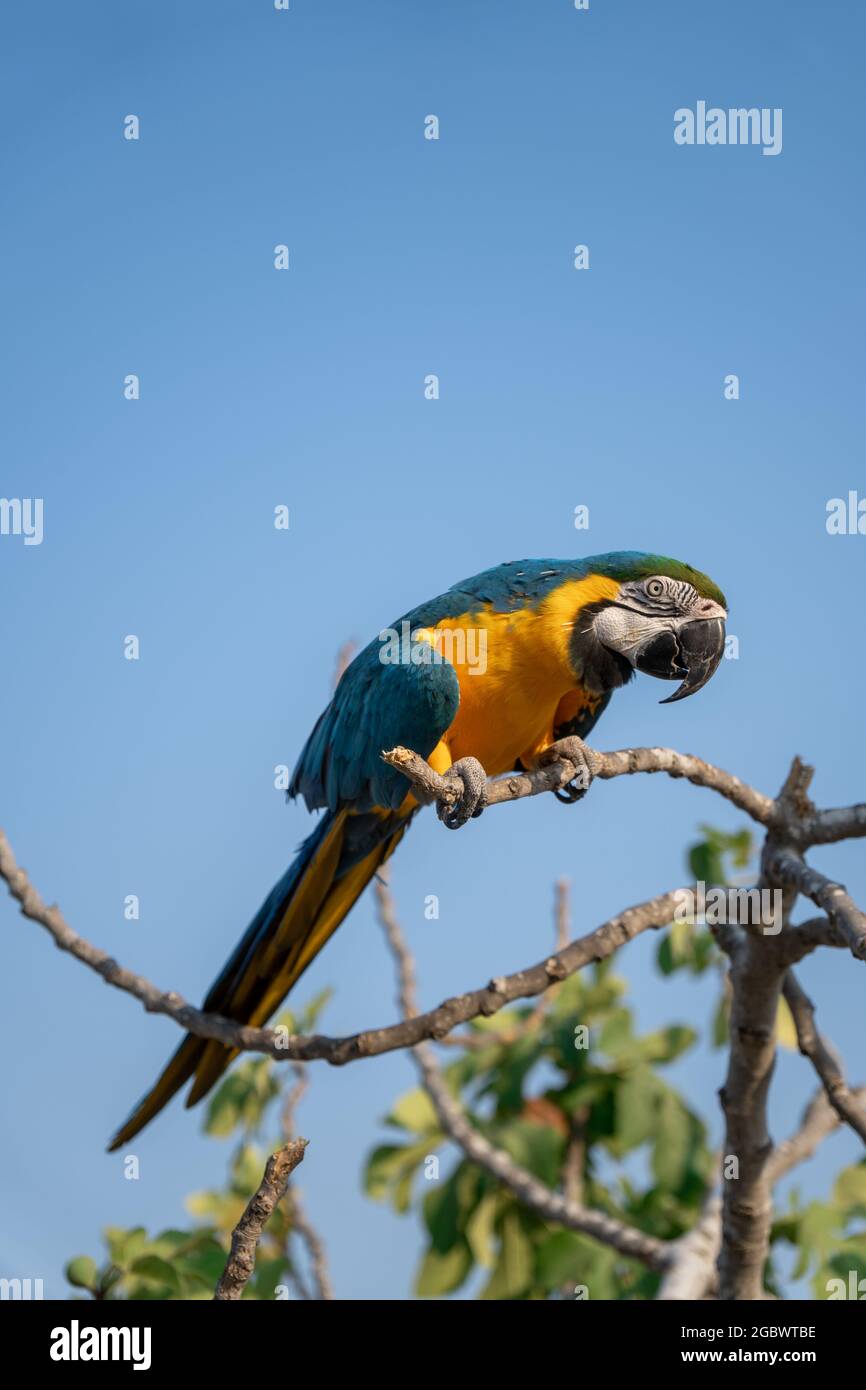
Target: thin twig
819	1052
300	1221
791	869
247	1233
819	1120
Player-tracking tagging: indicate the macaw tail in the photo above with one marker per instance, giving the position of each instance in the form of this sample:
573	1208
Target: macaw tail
332	868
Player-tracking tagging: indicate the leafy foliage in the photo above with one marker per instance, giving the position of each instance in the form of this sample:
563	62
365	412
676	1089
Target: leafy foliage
573	1087
830	1237
573	1093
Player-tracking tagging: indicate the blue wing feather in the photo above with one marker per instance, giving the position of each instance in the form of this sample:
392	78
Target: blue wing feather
375	706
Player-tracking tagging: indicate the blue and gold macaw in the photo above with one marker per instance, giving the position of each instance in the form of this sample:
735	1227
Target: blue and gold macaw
482	680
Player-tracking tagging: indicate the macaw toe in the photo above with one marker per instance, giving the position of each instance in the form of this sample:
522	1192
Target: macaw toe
470	779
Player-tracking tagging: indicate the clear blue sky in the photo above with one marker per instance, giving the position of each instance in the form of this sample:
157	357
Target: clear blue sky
305	387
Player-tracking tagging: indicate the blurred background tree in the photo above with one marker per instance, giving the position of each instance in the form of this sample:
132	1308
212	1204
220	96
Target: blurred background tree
569	1089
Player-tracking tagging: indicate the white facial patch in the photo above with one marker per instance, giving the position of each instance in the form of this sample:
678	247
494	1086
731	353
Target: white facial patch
627	632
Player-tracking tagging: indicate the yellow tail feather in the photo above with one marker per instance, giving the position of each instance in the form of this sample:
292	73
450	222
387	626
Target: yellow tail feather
315	905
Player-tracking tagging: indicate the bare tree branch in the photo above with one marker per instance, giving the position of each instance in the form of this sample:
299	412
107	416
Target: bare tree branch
819	1052
786	865
315	1247
300	1221
524	984
562	913
756	981
798	941
691	1274
819	1120
554	775
691	1271
247	1234
836	823
756	978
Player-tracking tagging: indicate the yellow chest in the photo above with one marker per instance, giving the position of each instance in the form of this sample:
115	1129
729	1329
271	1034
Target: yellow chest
514	671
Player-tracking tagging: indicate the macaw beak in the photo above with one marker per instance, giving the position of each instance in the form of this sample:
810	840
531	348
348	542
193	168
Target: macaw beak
691	654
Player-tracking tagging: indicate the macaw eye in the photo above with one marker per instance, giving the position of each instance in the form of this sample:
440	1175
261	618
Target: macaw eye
655	588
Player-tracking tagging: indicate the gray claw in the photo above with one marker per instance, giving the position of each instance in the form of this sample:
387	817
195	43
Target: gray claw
571	792
574	749
469	777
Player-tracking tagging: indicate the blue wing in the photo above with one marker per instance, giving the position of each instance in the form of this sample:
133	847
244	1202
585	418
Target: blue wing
375	706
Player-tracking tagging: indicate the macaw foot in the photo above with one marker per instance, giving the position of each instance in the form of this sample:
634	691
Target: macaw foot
575	751
469	778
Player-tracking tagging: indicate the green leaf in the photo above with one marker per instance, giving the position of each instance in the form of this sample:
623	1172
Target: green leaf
311	1011
480	1230
205	1264
616	1037
850	1190
667	1044
247	1167
157	1270
242	1098
123	1245
819	1224
388	1169
517	1061
637	1101
719	1030
169	1243
414	1111
535	1147
588	1091
442	1214
401	1190
673	1143
82	1272
561	1259
443	1273
706	863
676	947
685	947
268	1274
223	1109
706	859
513	1273
110	1276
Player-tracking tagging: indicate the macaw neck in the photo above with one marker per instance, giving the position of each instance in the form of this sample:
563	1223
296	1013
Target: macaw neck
509	697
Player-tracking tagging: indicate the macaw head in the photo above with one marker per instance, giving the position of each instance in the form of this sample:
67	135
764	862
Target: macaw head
666	619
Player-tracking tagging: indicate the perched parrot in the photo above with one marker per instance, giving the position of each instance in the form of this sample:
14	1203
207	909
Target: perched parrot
483	680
